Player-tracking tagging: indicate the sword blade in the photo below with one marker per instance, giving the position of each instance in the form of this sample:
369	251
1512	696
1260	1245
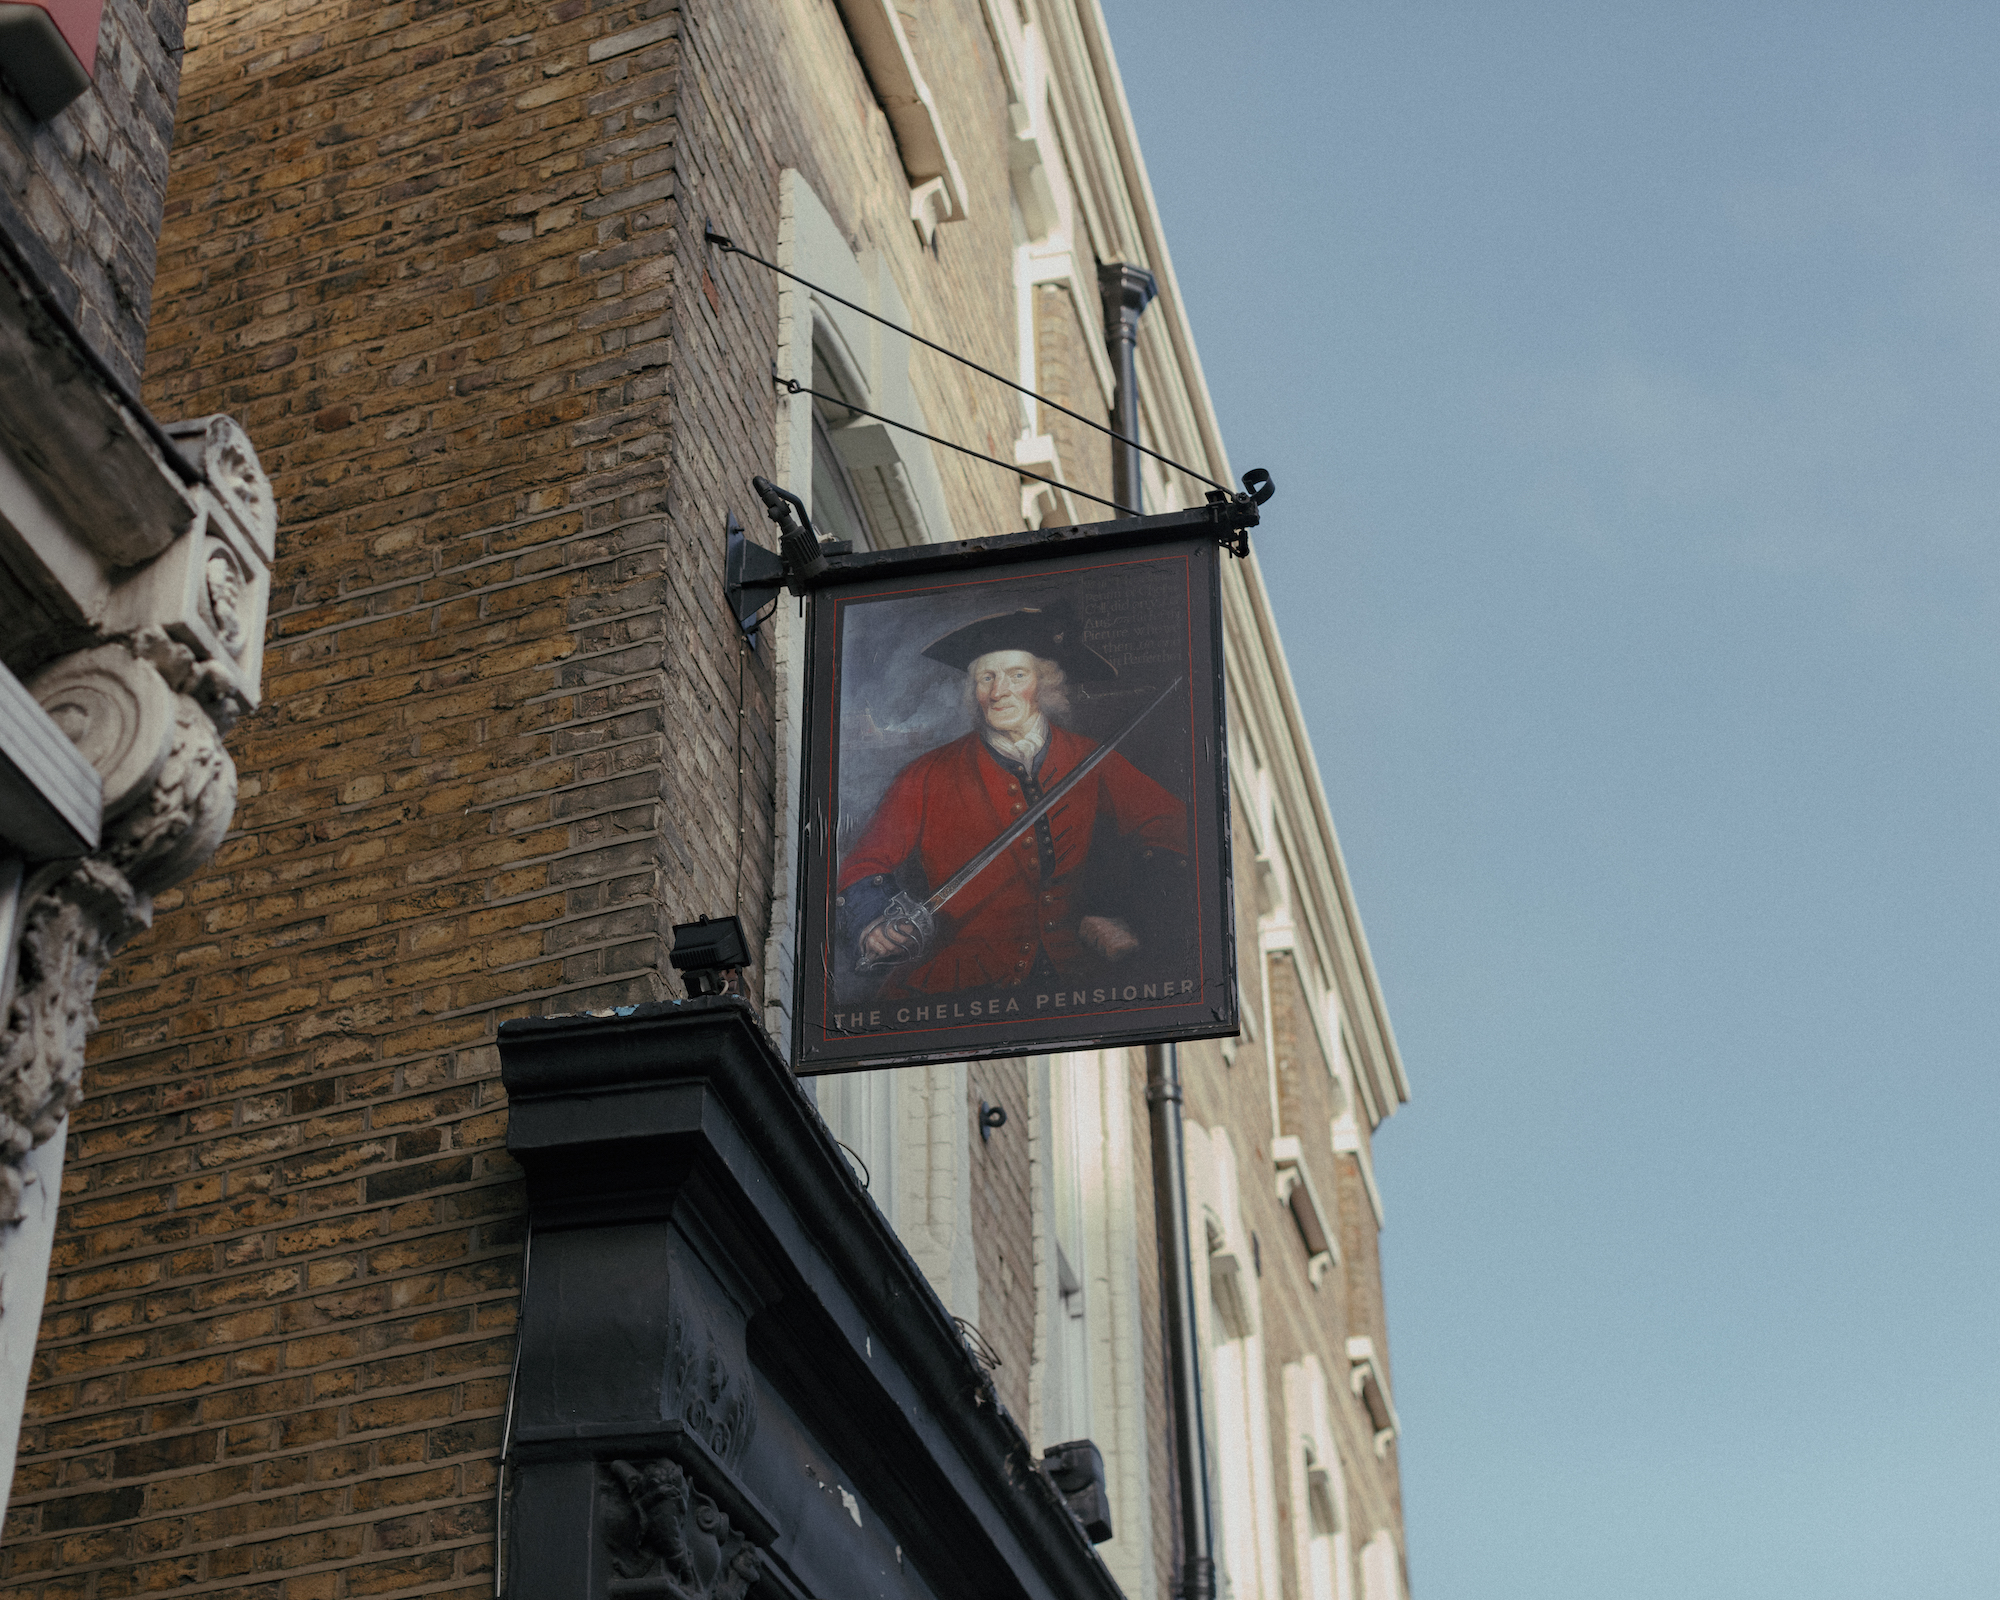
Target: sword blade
1042	807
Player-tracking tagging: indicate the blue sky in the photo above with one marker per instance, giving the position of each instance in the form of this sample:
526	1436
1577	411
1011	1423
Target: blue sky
1631	377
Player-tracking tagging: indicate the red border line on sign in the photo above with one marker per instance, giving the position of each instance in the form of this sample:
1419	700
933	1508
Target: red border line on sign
1194	789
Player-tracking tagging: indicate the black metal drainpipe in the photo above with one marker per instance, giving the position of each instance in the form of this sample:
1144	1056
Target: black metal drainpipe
1127	291
1163	1098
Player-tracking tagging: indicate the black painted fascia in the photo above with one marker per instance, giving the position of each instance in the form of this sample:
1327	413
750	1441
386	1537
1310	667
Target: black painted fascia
686	1107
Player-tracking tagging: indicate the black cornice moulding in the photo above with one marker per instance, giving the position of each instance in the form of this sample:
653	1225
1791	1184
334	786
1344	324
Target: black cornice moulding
734	1381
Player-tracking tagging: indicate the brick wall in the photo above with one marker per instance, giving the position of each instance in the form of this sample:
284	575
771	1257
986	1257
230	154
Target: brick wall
427	256
1299	1318
1065	374
80	194
1003	1228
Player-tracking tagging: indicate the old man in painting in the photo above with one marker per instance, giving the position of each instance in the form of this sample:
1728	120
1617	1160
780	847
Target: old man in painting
1082	890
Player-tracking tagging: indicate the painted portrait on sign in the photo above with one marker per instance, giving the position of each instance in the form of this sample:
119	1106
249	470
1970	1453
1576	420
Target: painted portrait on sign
1018	770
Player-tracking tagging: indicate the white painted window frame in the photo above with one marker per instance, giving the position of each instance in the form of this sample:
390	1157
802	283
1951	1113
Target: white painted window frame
1382	1568
895	474
1316	1221
1364	1373
937	189
1235	1388
1324	1556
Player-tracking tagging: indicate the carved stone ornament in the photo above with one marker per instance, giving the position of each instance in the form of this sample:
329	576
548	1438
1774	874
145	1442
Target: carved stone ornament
209	591
667	1538
149	717
70	929
713	1402
220	447
180	820
222	596
119	714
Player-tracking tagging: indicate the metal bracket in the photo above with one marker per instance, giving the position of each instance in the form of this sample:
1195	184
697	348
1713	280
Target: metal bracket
1236	514
751	576
798	539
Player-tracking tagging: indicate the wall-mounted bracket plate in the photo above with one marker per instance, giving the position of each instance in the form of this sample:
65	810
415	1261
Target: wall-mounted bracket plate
751	575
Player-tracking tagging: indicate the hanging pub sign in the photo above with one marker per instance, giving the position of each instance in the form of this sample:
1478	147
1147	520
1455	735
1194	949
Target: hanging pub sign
1016	829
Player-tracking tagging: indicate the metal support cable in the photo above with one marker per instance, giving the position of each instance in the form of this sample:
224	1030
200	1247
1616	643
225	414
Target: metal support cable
729	246
793	386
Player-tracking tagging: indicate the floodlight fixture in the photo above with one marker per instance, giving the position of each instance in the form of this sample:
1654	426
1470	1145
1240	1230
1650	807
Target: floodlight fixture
708	952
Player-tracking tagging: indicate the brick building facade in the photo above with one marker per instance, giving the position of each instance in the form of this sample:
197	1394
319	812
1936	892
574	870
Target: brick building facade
134	570
81	192
446	265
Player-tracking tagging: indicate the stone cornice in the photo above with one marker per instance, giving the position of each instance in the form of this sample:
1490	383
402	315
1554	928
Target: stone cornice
674	1132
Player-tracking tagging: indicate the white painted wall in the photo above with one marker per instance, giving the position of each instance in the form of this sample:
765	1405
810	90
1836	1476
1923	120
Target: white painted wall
1230	1313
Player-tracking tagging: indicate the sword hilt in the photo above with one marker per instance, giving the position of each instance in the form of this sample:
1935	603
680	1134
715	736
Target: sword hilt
914	914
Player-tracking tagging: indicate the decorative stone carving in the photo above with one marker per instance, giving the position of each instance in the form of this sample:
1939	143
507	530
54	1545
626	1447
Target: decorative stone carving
149	716
70	929
181	819
117	711
668	1390
209	591
207	682
667	1538
714	1403
220	447
222	597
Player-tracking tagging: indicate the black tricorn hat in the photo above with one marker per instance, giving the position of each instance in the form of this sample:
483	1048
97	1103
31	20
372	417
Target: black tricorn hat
1051	633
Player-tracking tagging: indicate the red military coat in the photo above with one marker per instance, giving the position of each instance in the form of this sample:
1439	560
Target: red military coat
948	805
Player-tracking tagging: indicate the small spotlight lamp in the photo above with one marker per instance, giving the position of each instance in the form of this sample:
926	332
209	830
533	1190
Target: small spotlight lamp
709	953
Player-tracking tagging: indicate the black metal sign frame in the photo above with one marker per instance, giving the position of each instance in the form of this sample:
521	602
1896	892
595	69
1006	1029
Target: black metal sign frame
963	896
